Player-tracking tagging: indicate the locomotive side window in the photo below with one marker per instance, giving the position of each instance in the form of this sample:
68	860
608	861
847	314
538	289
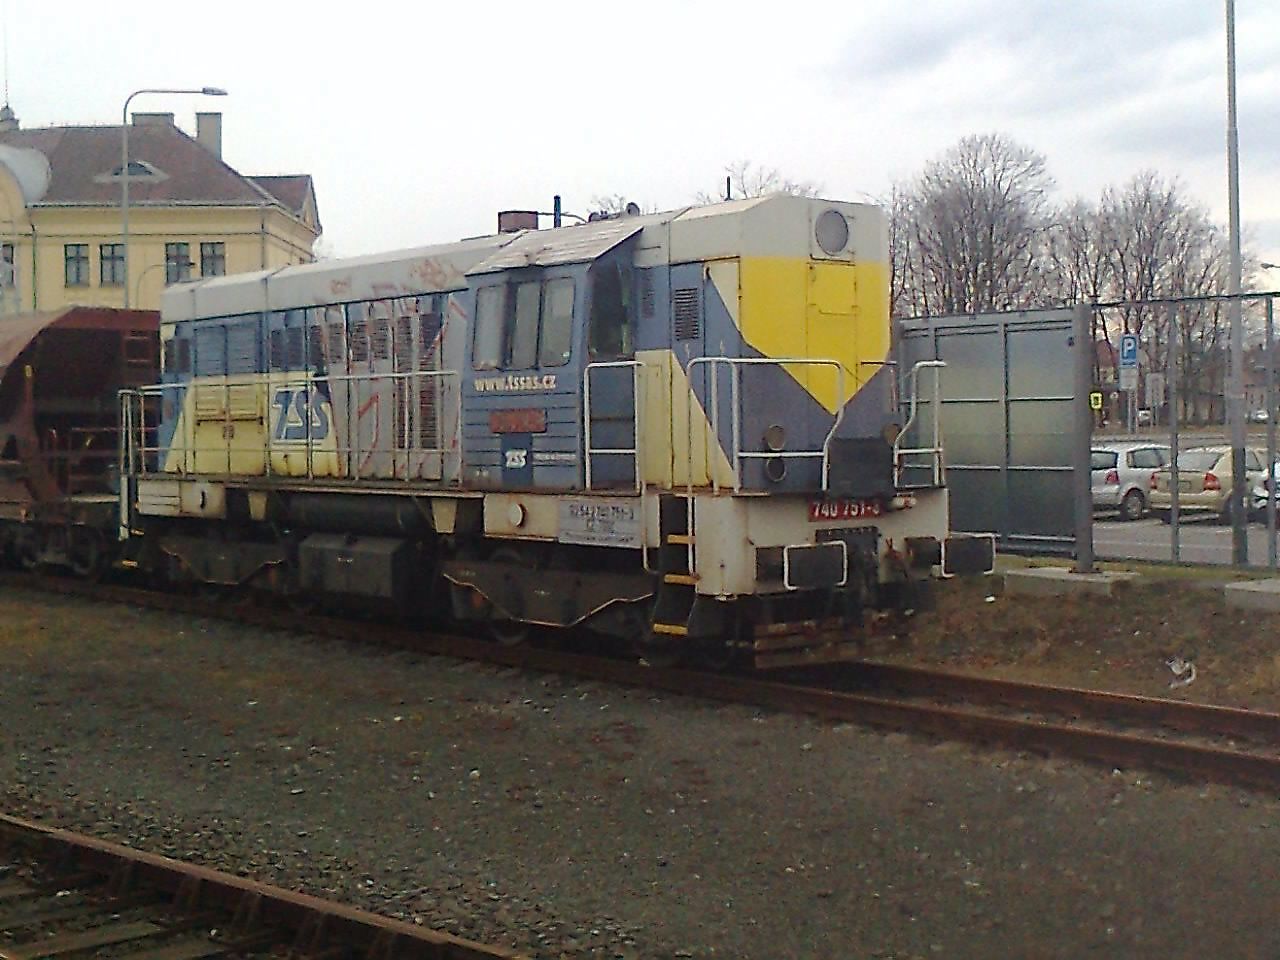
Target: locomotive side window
242	347
315	340
489	345
177	355
380	332
358	332
557	323
336	322
211	350
609	334
275	347
523	352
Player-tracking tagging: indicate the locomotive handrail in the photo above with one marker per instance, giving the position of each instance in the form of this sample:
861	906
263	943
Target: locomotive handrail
276	381
126	452
637	388
934	451
735	365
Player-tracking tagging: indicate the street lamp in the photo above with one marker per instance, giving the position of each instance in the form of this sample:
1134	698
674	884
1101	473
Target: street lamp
1235	389
124	166
137	289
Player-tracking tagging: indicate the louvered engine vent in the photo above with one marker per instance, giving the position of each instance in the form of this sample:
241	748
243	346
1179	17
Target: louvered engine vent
687	313
647	298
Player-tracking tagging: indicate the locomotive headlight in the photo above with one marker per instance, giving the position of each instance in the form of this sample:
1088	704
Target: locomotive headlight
832	232
775	438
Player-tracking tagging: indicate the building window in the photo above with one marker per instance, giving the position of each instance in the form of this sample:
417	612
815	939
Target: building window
213	259
177	262
77	257
111	259
6	265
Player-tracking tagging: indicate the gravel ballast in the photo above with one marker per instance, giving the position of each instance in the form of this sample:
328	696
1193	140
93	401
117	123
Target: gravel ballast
573	819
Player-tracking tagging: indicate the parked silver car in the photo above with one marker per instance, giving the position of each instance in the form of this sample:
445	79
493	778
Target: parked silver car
1121	475
1261	493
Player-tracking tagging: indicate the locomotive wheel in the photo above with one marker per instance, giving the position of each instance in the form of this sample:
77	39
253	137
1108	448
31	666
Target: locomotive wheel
27	549
508	633
716	655
85	553
505	631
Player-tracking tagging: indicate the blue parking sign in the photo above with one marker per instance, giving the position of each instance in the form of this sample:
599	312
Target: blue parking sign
1129	350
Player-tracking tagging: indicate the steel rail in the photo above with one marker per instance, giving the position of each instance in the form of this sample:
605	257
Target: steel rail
1117	749
1075	702
259	914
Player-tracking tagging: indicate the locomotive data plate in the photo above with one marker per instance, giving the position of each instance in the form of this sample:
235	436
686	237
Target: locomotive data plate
826	510
600	522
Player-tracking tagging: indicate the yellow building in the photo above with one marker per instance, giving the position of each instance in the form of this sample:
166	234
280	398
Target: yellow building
190	214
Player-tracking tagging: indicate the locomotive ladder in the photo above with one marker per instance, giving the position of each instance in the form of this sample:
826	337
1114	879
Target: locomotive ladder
933	452
677	590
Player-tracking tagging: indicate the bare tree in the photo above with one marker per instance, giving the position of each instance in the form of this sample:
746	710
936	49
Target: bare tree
1080	239
746	179
974	231
1164	246
614	204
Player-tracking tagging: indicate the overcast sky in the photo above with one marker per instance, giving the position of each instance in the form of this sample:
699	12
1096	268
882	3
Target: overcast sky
419	123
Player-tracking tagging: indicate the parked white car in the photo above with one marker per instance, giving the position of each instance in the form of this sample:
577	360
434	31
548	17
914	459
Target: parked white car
1121	476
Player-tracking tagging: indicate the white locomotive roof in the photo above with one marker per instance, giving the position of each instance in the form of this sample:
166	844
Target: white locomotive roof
418	270
576	244
772	225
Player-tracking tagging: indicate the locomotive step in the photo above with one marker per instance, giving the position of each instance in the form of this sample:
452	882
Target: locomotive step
682	538
684	579
671	629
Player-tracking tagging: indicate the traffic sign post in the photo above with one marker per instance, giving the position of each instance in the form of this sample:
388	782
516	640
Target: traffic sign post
1129	374
1129	351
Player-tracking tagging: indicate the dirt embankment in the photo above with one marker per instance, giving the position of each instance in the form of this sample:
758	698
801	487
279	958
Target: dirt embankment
1124	642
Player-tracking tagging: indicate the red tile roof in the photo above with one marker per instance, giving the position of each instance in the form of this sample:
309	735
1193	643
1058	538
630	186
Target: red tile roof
293	191
84	159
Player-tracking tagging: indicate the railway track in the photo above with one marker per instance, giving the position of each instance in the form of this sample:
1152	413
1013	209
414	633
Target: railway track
63	894
1195	741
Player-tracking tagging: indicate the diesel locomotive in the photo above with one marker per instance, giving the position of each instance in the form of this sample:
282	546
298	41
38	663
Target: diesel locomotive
680	430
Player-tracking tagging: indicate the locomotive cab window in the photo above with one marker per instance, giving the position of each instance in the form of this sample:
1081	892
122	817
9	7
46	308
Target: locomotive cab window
523	352
556	342
610	333
489	346
520	326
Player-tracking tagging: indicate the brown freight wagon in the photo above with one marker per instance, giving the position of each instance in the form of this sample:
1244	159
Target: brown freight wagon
60	373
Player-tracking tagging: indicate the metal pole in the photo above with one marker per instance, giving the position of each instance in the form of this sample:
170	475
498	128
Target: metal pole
1235	400
1174	422
124	195
124	168
1271	434
1081	479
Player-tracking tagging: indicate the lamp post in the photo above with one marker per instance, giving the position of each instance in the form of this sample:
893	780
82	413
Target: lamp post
124	166
1235	387
137	289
